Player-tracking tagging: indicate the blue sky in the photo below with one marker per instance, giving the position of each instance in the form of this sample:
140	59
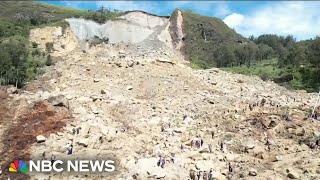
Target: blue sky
298	18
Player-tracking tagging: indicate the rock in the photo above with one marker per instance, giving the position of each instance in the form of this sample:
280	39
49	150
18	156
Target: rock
59	100
204	165
162	60
95	110
129	88
96	80
148	167
130	63
253	172
249	145
231	157
300	131
83	142
187	120
3	94
118	64
40	139
279	158
292	174
12	90
103	91
95	98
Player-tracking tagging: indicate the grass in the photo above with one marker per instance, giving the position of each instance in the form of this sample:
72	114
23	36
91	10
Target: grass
266	68
204	36
269	69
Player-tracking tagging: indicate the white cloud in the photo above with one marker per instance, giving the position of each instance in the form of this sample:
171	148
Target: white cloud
127	5
234	20
211	8
301	19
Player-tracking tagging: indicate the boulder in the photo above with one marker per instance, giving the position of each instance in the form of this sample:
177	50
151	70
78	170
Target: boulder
12	90
162	60
40	139
103	91
96	80
292	174
148	167
59	100
204	165
300	131
249	145
253	172
130	63
83	142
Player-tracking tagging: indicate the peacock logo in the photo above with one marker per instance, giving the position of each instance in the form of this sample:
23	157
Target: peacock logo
18	166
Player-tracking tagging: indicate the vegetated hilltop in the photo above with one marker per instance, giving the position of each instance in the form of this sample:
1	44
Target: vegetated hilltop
208	42
20	60
38	13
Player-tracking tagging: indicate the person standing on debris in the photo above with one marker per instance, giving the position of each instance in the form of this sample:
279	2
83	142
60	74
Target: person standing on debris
192	175
205	175
210	148
69	148
210	174
198	175
230	168
52	159
222	147
43	155
161	162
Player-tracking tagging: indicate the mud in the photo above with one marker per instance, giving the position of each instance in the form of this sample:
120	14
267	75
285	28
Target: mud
19	134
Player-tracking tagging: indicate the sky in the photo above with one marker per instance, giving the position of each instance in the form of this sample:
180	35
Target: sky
298	18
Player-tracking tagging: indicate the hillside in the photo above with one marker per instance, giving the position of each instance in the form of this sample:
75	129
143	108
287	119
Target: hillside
34	11
132	97
16	20
117	100
206	40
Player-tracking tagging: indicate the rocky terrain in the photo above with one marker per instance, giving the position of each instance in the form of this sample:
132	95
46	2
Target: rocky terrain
138	101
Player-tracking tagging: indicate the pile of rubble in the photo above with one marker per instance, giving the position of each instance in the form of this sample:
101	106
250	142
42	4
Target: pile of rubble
161	119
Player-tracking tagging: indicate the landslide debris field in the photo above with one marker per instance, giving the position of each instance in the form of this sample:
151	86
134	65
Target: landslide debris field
135	99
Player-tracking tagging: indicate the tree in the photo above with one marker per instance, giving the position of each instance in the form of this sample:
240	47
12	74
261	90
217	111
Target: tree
314	52
264	52
225	56
13	56
296	55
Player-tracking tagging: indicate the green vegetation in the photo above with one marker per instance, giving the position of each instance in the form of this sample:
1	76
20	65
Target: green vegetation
302	77
21	60
293	64
210	43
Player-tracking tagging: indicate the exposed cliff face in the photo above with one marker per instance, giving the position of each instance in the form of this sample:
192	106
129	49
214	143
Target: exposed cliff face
63	40
133	27
176	29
